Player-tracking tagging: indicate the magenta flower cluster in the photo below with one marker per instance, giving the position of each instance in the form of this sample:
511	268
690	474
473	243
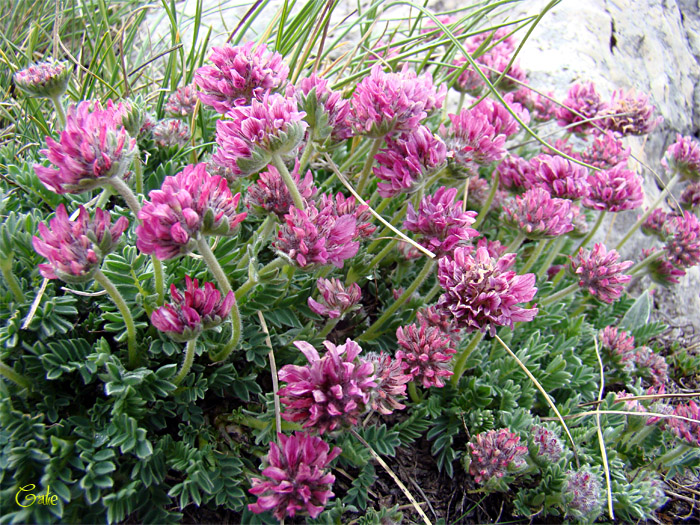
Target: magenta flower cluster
683	156
326	111
337	300
441	222
408	160
239	75
297	481
599	272
494	453
582	103
546	443
483	292
386	103
270	194
391	383
93	148
539	216
189	204
682	235
192	310
76	248
332	391
171	133
606	151
630	114
559	176
583	492
182	102
686	430
44	79
618	347
615	189
426	352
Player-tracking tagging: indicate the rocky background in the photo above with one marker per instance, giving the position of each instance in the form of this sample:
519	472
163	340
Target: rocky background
652	46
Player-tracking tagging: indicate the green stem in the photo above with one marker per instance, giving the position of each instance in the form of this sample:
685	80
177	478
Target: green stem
158	278
138	172
9	373
328	327
559	295
288	181
229	347
591	233
673	454
104	197
513	246
554	250
263	233
126	314
60	112
646	214
462	359
359	151
259	424
643	264
387	231
369	162
264	271
383	253
12	282
122	189
382	205
413	392
187	362
534	255
489	200
422	276
305	156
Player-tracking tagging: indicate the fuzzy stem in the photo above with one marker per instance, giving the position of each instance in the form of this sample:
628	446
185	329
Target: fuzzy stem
12	282
250	283
643	264
413	392
462	359
158	278
104	197
126	314
534	255
554	249
138	172
422	276
306	155
122	189
273	373
646	214
364	174
489	200
187	362
673	454
591	233
60	112
288	181
513	246
559	295
9	373
263	233
328	327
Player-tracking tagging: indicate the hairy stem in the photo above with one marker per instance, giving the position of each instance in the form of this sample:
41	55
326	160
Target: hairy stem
554	249
60	112
489	200
462	359
288	181
591	233
534	255
107	284
138	172
264	271
515	244
559	295
369	162
187	362
9	373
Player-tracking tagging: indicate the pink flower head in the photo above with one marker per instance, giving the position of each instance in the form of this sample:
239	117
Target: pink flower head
342	205
655	222
336	299
182	102
478	194
687	430
240	74
483	292
618	346
426	352
690	197
93	148
583	492
326	111
187	205
606	151
561	177
441	222
271	195
538	215
651	365
391	383
494	453
599	272
514	172
75	249
494	248
407	161
253	133
297	479
434	316
312	238
192	310
683	240
171	133
581	103
661	270
543	108
498	116
385	103
615	189
330	392
472	141
630	114
44	79
546	444
683	156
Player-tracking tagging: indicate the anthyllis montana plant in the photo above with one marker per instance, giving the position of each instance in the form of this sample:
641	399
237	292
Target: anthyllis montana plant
244	285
